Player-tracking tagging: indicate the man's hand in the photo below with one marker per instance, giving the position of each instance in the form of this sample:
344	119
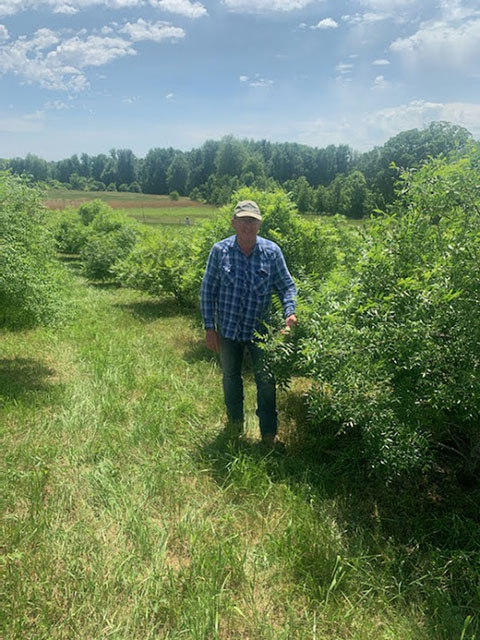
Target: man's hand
290	322
213	341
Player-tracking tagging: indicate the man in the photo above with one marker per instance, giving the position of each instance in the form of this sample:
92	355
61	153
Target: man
242	272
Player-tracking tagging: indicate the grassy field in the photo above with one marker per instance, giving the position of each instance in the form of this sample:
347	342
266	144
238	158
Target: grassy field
128	514
148	209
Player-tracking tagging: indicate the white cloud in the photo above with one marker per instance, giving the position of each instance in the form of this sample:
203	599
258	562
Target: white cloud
259	83
156	31
170	96
420	113
381	62
327	23
28	123
265	6
10	7
380	83
243	78
94	51
4	36
66	9
362	132
130	99
456	10
387	5
442	45
57	105
182	7
365	18
53	64
344	67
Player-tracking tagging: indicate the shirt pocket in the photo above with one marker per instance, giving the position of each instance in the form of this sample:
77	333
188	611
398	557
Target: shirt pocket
227	276
262	284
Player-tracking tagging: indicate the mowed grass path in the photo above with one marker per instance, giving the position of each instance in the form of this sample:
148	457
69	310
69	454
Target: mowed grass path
128	515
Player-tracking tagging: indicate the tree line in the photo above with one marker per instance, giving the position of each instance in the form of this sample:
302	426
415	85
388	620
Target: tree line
334	179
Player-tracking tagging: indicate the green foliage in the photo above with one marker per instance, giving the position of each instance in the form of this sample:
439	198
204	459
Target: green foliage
89	210
135	187
111	236
156	264
69	230
160	263
174	195
33	284
393	353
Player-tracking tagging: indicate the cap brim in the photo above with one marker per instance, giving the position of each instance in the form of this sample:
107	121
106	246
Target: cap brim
248	214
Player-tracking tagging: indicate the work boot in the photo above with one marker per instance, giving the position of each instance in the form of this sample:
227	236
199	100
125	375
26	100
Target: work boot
270	441
234	429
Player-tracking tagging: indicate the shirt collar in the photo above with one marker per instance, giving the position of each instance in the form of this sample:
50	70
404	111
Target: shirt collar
254	250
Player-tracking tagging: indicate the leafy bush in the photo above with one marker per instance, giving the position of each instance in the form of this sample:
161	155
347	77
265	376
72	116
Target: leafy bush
69	230
393	353
111	236
90	210
33	284
156	264
174	195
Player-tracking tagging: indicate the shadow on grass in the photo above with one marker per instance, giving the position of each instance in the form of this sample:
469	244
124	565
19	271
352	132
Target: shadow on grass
151	310
417	538
23	376
72	262
197	352
107	286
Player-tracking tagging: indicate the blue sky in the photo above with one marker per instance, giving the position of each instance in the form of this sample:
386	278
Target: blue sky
89	75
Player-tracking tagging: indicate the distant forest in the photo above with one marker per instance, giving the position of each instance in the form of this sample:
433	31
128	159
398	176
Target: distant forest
329	180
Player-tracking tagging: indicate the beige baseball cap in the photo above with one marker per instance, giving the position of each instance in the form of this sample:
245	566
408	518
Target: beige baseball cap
247	209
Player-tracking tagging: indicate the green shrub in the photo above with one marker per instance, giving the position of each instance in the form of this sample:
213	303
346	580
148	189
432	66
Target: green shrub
174	195
69	230
393	353
111	236
156	264
90	210
33	284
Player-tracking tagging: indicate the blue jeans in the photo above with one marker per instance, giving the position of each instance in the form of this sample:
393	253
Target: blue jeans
231	358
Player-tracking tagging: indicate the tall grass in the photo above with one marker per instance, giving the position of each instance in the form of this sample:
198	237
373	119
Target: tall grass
128	515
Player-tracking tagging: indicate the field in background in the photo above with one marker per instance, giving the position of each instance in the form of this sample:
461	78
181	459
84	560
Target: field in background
146	208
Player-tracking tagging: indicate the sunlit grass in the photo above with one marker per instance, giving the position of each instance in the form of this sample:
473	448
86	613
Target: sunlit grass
129	515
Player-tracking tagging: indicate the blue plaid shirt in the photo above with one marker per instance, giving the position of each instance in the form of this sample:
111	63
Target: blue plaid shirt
237	290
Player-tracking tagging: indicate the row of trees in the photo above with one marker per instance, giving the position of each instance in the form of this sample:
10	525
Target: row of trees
334	179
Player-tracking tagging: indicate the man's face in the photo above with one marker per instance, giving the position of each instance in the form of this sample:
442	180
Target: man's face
246	228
